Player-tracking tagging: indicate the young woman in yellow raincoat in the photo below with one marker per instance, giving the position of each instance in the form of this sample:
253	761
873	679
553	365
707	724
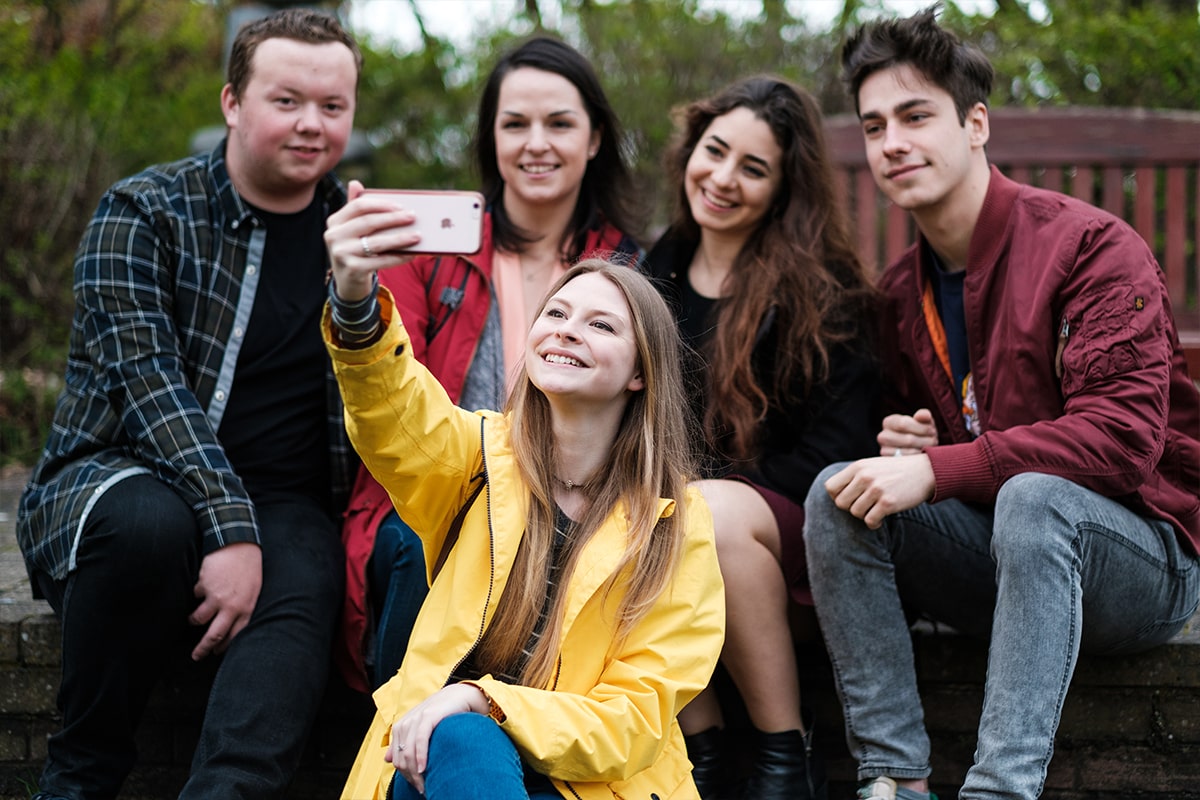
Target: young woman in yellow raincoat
576	604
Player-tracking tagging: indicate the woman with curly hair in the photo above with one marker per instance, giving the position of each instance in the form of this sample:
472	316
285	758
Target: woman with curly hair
762	273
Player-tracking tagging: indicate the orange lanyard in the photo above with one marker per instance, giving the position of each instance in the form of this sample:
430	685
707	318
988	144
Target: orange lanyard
937	332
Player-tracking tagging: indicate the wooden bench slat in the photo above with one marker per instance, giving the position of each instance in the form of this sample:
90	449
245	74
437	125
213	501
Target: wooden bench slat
899	234
1052	178
1084	184
1143	204
1114	191
868	215
1175	232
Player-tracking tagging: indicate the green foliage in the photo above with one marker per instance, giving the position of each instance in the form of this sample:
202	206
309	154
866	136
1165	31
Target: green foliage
91	92
1089	53
418	119
26	408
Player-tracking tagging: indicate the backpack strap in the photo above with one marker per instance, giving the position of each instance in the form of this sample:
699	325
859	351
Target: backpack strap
448	301
455	529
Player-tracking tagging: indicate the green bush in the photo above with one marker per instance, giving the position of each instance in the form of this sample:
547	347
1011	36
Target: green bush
85	100
26	409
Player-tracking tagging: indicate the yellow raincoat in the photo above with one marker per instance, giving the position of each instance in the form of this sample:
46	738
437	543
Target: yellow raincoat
605	728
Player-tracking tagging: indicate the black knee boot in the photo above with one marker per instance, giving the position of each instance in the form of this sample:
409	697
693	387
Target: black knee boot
710	767
785	768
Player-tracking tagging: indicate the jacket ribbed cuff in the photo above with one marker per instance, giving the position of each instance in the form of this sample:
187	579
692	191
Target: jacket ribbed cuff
962	471
358	324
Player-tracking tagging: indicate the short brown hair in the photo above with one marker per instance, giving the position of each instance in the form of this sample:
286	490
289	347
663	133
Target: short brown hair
301	24
962	70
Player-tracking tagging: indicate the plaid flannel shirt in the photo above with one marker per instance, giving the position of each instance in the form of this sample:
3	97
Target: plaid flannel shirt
165	278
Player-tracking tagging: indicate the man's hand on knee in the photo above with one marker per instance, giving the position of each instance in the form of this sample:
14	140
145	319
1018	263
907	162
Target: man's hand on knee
230	580
873	488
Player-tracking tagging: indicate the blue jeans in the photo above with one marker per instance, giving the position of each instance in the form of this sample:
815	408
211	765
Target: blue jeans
1054	568
398	588
124	623
470	758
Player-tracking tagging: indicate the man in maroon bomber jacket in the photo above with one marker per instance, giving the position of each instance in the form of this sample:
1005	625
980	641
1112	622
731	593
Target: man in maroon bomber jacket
1045	493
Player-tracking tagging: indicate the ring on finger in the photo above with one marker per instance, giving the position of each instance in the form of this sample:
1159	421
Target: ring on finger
400	747
897	453
366	248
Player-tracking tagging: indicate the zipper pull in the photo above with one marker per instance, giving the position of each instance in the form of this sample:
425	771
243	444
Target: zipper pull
1064	331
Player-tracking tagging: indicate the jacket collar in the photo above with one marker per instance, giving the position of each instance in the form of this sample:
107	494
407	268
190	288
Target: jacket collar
989	236
599	561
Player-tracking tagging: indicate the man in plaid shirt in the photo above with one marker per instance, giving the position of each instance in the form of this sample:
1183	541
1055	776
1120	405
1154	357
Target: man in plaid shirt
189	493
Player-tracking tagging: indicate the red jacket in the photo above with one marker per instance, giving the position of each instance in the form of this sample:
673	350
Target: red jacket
450	297
1044	272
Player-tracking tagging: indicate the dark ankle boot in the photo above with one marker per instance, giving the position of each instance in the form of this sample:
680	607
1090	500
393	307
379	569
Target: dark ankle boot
785	768
710	768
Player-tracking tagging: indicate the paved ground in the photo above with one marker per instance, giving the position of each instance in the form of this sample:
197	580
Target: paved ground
15	598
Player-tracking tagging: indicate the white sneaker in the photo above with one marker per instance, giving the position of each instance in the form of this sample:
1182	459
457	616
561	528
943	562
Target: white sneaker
881	788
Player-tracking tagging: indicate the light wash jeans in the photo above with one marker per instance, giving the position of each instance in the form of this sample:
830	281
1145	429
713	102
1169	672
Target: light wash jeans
1053	569
470	758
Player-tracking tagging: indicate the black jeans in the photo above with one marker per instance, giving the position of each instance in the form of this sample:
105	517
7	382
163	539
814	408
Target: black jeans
124	621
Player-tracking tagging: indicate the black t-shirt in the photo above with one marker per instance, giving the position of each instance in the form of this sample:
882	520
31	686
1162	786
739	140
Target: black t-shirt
697	316
275	429
948	294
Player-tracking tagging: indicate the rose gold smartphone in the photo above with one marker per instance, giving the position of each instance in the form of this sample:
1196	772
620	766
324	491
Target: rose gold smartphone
450	222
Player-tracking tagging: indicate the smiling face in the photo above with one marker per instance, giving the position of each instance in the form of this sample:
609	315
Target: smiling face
582	345
291	123
544	139
733	174
922	157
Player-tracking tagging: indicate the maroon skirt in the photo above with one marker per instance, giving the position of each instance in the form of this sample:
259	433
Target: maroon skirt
789	517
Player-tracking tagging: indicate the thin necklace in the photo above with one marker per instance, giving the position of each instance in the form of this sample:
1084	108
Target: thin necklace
570	485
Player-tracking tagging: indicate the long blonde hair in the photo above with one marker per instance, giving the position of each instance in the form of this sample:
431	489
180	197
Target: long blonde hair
649	459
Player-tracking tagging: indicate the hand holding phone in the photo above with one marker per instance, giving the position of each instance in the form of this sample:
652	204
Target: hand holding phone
449	222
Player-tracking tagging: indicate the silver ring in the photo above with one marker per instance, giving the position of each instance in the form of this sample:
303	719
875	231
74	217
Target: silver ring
400	747
366	248
897	453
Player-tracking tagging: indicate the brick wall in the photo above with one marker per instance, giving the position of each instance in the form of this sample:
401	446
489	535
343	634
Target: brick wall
29	675
1131	727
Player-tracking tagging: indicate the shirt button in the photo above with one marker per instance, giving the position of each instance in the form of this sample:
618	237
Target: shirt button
238	332
220	396
251	269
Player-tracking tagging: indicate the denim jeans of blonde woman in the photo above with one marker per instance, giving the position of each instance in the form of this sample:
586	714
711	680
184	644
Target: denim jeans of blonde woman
1052	570
470	758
